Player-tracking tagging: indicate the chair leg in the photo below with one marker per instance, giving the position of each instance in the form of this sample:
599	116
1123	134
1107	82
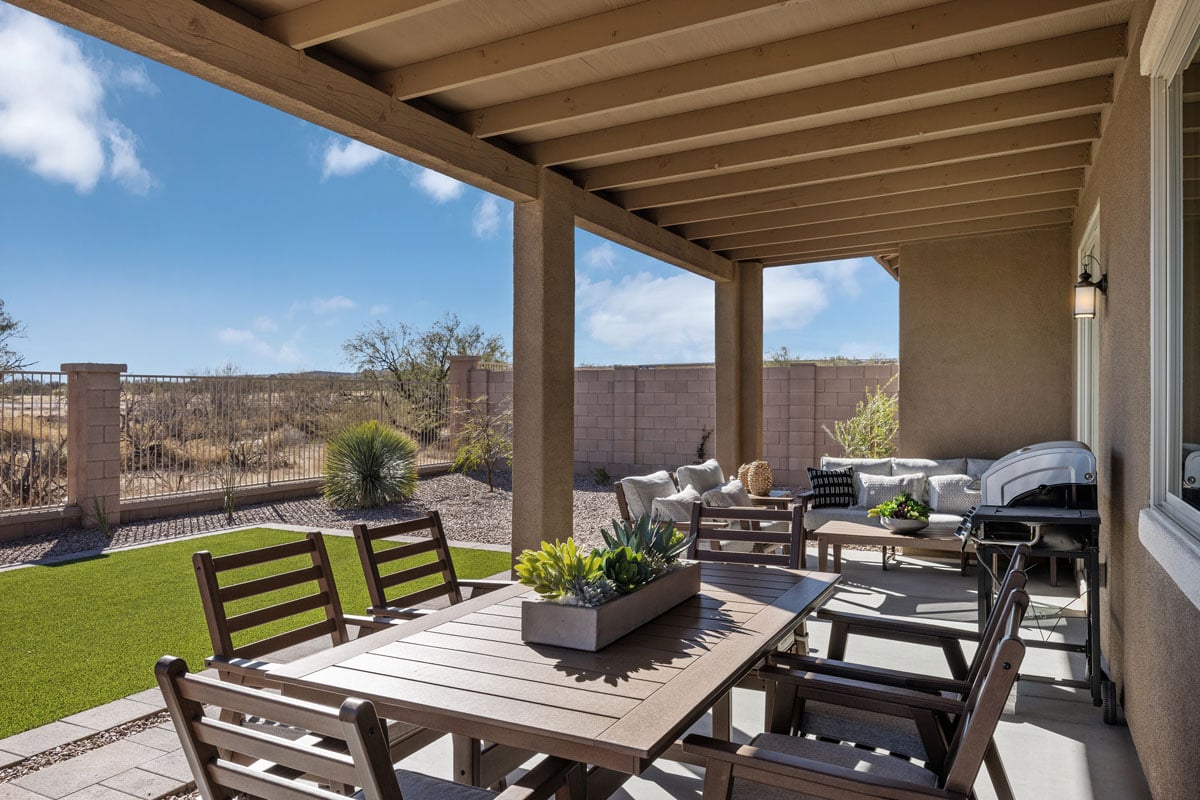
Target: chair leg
995	768
718	780
722	717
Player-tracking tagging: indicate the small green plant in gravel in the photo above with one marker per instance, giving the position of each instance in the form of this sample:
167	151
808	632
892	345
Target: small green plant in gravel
600	476
484	439
370	465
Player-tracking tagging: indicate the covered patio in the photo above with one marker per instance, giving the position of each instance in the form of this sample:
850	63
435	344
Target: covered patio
970	147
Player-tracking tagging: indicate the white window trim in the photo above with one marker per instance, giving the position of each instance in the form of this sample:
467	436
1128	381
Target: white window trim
1169	529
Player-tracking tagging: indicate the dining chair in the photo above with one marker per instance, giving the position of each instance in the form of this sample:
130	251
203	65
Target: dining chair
292	758
290	588
813	767
396	589
781	544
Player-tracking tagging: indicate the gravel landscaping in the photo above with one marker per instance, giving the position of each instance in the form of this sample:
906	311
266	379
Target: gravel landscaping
470	513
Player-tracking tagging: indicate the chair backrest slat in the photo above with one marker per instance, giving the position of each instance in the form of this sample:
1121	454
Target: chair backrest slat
387	590
215	597
217	752
704	518
981	712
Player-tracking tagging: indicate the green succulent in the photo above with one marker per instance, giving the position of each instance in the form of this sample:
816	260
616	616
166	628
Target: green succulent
659	539
902	506
592	591
557	570
627	569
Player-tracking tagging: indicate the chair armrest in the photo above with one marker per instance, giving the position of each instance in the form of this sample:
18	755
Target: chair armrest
863	672
254	671
797	774
398	613
890	628
860	694
804	497
483	586
542	781
372	624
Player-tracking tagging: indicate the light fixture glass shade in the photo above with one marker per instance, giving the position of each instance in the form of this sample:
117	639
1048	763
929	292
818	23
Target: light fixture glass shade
1085	300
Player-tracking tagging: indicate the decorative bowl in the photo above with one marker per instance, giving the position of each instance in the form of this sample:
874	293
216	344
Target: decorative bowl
903	525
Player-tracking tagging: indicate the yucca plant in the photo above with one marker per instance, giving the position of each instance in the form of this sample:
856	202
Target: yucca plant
370	465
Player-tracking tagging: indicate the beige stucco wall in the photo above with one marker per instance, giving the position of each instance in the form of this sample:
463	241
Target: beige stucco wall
985	340
1150	630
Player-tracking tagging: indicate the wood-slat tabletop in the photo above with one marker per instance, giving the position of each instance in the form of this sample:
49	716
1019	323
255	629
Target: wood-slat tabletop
465	670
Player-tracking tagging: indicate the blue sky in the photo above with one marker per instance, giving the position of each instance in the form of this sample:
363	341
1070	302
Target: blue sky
149	218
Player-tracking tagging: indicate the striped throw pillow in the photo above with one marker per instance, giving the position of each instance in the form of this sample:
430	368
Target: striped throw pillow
832	488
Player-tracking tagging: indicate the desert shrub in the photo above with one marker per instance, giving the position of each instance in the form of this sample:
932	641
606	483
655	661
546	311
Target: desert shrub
871	432
484	439
370	465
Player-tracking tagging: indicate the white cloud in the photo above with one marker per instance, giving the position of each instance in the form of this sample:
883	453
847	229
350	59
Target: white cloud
235	336
603	256
379	309
52	107
348	157
485	222
286	353
441	188
645	318
265	324
134	76
323	306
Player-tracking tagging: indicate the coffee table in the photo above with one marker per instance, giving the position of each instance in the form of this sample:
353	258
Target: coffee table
839	533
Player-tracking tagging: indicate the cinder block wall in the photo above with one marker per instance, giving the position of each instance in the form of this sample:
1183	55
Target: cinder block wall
632	420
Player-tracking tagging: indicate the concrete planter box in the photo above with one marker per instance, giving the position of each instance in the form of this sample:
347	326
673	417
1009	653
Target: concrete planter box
591	629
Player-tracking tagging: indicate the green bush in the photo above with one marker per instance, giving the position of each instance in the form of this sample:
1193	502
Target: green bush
871	432
370	465
484	439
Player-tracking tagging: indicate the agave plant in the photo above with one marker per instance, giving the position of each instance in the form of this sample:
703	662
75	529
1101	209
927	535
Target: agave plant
370	465
626	569
561	570
658	539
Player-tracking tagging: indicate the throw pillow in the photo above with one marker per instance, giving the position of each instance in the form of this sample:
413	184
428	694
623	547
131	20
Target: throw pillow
640	491
953	494
727	496
871	490
702	476
832	488
677	507
874	466
929	466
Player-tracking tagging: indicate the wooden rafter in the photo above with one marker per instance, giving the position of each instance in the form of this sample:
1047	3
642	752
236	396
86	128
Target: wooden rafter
919	26
1019	186
326	20
832	255
1066	99
1096	51
872	162
578	37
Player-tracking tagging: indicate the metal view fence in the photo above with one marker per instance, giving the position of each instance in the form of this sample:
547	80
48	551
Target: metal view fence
198	433
33	440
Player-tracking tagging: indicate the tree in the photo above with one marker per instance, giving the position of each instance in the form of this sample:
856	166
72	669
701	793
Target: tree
10	329
485	438
871	432
406	356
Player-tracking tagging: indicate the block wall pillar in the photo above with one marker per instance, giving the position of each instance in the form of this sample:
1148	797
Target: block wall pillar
460	390
94	440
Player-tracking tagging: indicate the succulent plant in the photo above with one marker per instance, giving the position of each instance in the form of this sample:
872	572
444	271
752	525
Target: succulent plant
557	570
592	591
626	569
658	539
902	506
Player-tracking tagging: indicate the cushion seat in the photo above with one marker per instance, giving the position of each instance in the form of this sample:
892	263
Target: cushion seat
416	786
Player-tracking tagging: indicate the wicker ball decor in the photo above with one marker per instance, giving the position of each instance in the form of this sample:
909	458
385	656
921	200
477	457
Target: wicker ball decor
758	478
743	475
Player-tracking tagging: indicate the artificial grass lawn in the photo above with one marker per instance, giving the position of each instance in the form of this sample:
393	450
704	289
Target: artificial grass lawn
83	633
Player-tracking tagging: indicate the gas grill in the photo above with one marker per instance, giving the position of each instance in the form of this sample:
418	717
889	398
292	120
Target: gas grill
1044	495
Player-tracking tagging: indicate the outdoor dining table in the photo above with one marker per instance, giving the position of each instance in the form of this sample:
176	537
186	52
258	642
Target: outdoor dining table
465	670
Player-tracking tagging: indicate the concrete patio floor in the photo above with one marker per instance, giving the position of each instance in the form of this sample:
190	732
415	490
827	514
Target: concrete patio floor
1052	740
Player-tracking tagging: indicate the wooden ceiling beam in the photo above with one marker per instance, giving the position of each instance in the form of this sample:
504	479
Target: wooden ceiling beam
941	151
916	27
1020	186
1067	157
326	20
1076	97
1096	50
904	219
877	252
573	39
869	242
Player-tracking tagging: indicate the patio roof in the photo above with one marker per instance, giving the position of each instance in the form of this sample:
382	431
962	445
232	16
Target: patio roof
704	132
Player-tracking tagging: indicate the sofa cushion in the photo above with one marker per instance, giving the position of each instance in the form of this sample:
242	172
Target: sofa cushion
929	466
873	466
640	491
676	507
703	476
977	466
832	488
871	490
727	495
816	517
953	494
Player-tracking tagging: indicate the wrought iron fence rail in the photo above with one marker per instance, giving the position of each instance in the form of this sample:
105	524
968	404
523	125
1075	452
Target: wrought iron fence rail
33	440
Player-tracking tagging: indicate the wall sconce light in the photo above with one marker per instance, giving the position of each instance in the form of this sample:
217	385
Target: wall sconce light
1087	291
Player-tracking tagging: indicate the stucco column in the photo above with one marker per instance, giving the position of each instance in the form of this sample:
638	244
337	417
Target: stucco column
739	371
460	390
543	364
94	440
